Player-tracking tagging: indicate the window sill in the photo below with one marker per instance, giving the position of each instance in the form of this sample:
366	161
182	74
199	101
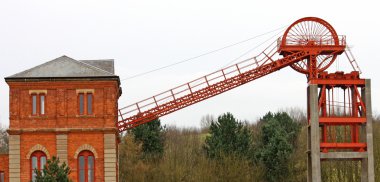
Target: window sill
86	116
38	116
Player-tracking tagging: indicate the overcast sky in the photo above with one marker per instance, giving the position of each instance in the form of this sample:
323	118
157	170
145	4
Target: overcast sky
142	35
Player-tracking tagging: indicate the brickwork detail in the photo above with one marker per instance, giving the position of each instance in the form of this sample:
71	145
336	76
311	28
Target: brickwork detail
37	92
85	91
38	147
85	147
14	95
4	166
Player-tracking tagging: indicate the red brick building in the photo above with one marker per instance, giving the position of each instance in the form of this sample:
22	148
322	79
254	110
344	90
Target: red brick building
4	167
65	108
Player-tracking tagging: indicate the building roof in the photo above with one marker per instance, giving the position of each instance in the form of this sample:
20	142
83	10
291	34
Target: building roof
104	64
66	67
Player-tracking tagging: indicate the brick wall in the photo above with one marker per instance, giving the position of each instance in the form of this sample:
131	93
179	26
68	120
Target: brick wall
62	105
62	127
27	142
4	166
76	140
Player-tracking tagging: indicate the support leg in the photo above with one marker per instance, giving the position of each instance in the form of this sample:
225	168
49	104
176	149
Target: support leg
314	162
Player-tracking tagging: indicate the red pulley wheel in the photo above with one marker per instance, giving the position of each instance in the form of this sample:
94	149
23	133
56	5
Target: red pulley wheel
308	29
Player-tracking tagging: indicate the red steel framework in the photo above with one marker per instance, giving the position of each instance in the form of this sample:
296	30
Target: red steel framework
310	45
204	88
337	102
342	111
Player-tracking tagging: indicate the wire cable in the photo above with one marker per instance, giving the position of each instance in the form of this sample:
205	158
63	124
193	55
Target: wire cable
252	49
204	54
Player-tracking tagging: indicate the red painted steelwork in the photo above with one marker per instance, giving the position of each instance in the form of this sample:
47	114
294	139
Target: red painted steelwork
201	89
342	111
309	51
323	41
342	120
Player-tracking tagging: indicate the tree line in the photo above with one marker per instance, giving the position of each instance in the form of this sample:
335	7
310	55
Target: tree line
225	149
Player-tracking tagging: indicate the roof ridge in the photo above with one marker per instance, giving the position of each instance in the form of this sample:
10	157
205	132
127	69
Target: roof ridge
63	59
38	66
96	60
94	67
81	61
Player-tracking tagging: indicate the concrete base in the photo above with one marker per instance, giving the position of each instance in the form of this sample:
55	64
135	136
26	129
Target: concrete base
344	155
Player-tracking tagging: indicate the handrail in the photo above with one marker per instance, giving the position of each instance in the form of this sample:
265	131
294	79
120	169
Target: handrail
196	84
204	87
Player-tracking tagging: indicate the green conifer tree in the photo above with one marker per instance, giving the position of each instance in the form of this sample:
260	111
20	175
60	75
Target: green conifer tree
53	172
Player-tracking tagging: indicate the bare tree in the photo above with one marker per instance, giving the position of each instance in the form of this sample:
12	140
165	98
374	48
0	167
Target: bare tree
296	113
206	121
376	116
4	140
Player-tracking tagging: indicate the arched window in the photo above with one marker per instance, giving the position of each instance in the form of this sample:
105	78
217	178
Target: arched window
86	166
37	161
2	176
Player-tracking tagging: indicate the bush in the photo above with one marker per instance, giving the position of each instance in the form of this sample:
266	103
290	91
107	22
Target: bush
53	172
278	136
228	137
151	136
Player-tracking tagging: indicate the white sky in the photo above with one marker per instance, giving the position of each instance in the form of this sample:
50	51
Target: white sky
142	35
